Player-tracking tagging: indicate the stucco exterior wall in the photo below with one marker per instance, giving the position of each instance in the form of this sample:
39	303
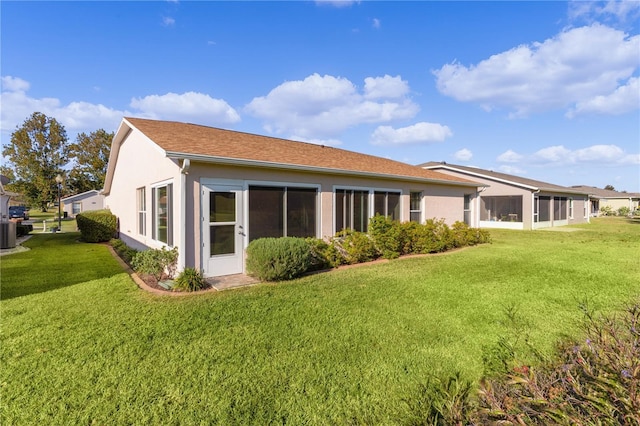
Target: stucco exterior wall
439	201
141	164
89	202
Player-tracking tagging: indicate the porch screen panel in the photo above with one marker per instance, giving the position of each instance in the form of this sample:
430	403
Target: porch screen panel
266	212
387	204
301	212
501	208
559	208
360	211
544	209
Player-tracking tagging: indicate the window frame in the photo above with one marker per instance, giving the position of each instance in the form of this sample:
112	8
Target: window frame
141	210
285	187
412	211
155	225
370	204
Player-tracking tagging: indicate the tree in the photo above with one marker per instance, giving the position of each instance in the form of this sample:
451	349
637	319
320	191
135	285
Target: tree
610	188
91	156
37	152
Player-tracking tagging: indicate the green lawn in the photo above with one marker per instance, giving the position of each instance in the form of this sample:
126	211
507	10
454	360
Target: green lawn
80	344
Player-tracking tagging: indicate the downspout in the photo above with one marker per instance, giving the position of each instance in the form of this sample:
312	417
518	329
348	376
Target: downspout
184	171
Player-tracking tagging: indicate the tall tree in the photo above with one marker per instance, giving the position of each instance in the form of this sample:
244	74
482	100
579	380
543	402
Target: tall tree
37	152
91	156
610	188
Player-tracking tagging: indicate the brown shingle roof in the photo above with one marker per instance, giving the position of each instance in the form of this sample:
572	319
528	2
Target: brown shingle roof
605	193
537	184
213	144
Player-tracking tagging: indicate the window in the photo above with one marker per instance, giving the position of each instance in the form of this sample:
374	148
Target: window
76	208
467	209
387	204
352	210
501	208
415	207
282	212
570	208
162	205
141	203
559	208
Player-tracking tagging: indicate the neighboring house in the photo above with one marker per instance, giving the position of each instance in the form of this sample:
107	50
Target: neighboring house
513	202
612	199
5	198
210	191
76	204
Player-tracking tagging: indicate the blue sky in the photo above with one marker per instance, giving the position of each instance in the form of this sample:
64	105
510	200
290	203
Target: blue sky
547	90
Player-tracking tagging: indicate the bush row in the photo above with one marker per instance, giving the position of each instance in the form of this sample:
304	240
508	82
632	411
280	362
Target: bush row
594	380
97	226
276	259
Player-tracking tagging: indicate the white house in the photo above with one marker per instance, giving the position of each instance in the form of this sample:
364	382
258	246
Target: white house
210	191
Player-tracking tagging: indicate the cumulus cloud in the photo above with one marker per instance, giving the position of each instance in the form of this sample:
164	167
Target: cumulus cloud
189	106
337	3
623	99
622	10
79	116
463	155
576	66
418	133
509	156
324	106
559	155
168	21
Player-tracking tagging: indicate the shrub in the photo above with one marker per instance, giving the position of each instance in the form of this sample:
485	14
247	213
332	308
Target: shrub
387	235
125	252
607	211
189	279
624	211
276	259
97	226
22	230
155	262
354	246
593	381
463	235
322	255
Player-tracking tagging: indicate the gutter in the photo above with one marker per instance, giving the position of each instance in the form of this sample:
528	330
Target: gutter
296	167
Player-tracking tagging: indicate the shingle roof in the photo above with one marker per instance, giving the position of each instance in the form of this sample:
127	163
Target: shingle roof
544	186
605	193
211	144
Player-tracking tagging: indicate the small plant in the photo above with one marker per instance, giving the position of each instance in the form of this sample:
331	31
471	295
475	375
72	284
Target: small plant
125	252
607	211
157	263
321	254
189	279
276	259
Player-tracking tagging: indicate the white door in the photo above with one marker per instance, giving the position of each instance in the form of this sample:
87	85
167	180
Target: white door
223	233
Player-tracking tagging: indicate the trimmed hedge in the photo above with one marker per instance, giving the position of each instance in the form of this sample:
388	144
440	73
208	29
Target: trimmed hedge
277	259
97	226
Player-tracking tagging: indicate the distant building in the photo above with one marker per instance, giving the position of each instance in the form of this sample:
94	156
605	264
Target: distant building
76	204
607	198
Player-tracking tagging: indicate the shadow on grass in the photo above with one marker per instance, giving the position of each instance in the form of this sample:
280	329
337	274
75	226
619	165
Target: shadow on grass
54	261
635	220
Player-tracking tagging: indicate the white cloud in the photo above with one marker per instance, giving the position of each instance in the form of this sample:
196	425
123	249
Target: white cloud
168	21
375	22
618	9
418	133
509	156
323	106
326	142
337	3
386	87
624	99
512	170
463	155
575	66
189	106
79	116
559	155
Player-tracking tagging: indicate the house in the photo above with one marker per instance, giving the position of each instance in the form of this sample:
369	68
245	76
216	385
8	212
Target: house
76	204
609	199
211	191
514	202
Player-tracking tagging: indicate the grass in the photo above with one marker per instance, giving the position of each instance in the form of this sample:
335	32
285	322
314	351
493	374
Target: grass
348	347
51	216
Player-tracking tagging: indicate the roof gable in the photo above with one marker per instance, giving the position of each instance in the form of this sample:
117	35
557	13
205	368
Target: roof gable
81	196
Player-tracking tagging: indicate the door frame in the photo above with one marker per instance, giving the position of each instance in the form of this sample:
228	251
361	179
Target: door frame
235	263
